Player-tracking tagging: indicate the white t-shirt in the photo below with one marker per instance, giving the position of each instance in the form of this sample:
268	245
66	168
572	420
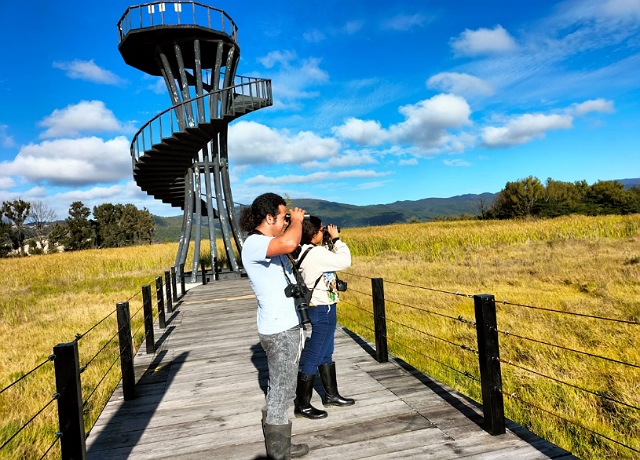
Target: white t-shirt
276	312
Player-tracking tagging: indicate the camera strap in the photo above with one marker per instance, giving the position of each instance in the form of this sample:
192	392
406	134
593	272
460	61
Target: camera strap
299	263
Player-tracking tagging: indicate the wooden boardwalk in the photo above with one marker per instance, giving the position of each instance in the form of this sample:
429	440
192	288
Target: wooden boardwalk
200	396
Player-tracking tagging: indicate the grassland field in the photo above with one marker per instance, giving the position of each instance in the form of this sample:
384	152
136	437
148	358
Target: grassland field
560	267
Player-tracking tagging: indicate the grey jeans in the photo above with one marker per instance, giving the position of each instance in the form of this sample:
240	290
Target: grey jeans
282	358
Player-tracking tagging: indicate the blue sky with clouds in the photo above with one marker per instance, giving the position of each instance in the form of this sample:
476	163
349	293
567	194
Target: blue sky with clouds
374	101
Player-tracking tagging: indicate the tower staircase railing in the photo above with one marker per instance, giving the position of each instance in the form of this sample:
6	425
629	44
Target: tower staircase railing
154	14
227	103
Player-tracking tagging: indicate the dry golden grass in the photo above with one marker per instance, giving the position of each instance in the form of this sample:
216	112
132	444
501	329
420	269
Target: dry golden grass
575	264
588	265
48	300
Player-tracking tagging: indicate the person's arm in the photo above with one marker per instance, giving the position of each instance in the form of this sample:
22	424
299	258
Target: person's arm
320	259
290	239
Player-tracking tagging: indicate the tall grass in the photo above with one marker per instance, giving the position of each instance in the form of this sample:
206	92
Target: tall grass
573	264
49	300
587	265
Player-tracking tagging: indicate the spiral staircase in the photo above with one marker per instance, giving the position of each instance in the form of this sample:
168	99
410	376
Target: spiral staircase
194	48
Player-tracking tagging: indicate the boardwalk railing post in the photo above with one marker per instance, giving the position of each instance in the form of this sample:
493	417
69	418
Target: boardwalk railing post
204	272
126	351
174	287
380	320
148	319
182	287
167	283
69	390
489	356
161	320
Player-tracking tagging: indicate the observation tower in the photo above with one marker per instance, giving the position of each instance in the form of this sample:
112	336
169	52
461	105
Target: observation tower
180	155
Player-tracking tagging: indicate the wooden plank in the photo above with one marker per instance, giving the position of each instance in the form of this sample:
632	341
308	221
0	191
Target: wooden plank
200	394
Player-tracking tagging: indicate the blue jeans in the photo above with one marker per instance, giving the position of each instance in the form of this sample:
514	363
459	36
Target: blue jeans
282	354
319	347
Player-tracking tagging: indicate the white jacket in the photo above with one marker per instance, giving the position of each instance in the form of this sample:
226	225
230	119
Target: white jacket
322	263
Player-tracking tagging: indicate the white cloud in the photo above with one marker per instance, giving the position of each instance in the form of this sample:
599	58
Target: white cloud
343	160
88	70
72	161
457	162
483	41
404	22
313	177
6	141
6	183
371	185
254	143
277	57
408	162
92	116
427	125
622	8
313	36
352	27
362	132
594	105
428	121
523	129
460	83
293	77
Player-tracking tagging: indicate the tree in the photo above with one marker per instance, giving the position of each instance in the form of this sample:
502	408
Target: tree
16	212
58	235
518	199
108	220
610	197
80	229
41	218
562	198
6	244
122	225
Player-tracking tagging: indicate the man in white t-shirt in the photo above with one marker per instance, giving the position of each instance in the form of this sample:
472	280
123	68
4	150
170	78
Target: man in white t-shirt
272	235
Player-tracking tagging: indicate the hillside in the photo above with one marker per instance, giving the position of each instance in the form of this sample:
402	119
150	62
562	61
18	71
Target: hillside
349	215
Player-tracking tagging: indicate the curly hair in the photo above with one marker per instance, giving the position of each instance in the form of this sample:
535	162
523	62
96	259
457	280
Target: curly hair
310	227
252	216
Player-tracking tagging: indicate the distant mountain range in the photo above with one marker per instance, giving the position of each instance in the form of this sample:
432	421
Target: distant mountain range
349	215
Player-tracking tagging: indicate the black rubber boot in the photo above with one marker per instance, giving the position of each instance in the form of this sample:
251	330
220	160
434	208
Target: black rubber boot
302	403
278	443
332	397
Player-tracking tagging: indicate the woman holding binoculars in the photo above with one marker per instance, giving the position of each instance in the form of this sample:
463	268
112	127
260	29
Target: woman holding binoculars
318	265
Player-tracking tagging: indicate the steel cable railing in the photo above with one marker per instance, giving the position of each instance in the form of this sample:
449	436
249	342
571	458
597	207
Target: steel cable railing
27	374
513	395
570	313
34	420
585	353
55	397
464	373
539	374
58	435
395	318
104	376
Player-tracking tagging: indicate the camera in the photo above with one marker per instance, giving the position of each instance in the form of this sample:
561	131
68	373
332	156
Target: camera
299	295
326	238
341	285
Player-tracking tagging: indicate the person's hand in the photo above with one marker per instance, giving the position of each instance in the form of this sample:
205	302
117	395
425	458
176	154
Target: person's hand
333	231
297	215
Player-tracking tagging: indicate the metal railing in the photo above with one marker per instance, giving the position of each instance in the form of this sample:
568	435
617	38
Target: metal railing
155	14
249	94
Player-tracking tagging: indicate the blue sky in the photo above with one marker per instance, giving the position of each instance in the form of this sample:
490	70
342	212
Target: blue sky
374	101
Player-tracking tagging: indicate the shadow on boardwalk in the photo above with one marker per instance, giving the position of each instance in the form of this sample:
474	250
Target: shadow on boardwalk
200	396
